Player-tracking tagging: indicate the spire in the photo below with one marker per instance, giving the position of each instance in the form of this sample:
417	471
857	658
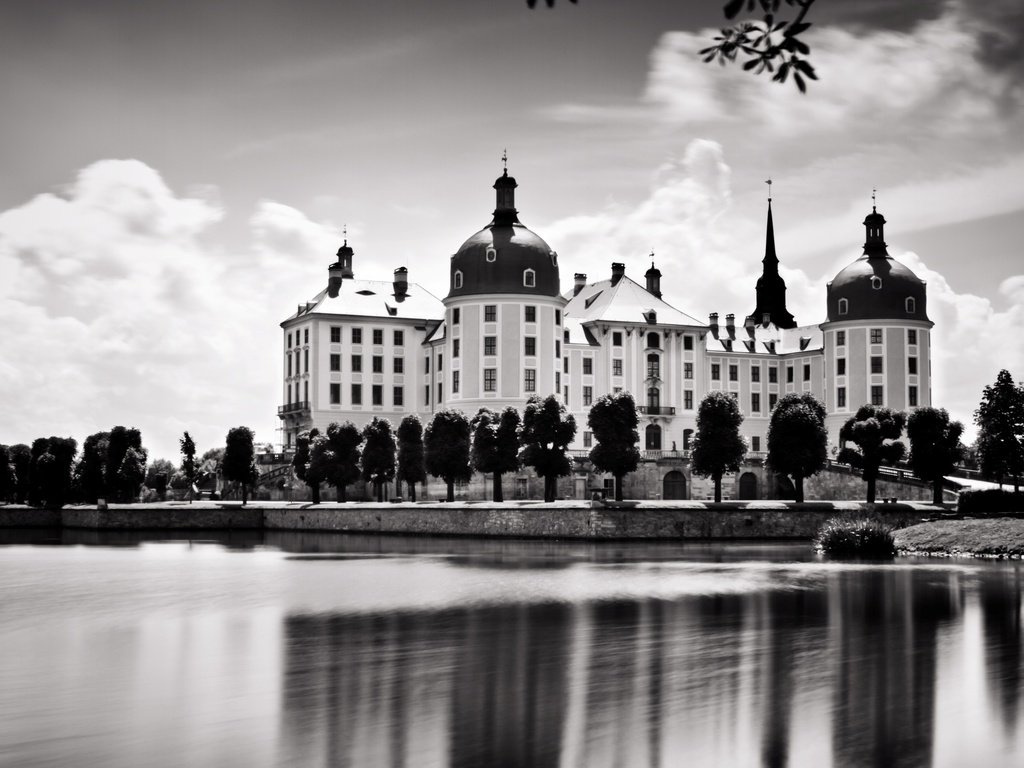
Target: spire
771	288
505	202
345	254
874	228
653	276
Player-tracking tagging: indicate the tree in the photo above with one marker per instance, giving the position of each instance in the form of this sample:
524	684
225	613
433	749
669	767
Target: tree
21	460
8	477
934	446
300	463
159	475
52	460
613	420
446	443
90	474
378	460
344	440
188	462
210	465
411	466
132	473
496	445
239	464
875	434
717	445
120	439
773	46
547	431
798	439
1000	420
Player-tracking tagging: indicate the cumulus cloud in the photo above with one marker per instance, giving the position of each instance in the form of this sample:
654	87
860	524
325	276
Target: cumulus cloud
117	310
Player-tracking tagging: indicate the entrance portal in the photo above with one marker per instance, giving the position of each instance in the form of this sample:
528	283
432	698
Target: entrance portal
748	485
674	485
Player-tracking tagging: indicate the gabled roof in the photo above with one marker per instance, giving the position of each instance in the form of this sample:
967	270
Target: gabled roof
624	302
768	340
374	298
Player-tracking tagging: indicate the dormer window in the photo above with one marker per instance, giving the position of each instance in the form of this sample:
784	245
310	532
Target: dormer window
876	282
911	305
554	259
491	254
844	306
457	280
529	278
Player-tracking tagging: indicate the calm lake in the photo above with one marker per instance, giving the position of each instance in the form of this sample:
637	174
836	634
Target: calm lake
334	650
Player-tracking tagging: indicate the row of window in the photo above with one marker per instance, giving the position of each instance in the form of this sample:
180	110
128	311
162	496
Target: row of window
529	277
653	340
304	332
491	314
877	365
877	396
397	336
376	362
909	304
755	373
875	336
376	395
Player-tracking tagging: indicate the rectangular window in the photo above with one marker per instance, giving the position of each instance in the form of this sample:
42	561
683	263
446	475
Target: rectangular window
841	366
490	345
558	349
357	363
530	379
734	373
289	341
357	335
558	381
357	394
378	363
490	379
807	371
716	372
773	374
876	335
755	443
378	394
398	365
530	346
335	334
455	348
490	313
426	364
335	394
305	336
426	394
653	367
398	396
588	439
440	362
588	366
755	402
876	364
911	337
841	397
877	395
378	335
789	374
912	397
840	338
772	400
455	382
566	395
616	367
616	338
687	342
755	373
616	390
456	315
588	395
335	362
687	370
305	357
558	317
440	392
565	365
530	314
398	338
688	399
912	365
289	364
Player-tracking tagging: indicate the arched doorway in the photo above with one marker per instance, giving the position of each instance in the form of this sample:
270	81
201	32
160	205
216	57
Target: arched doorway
748	485
653	439
674	485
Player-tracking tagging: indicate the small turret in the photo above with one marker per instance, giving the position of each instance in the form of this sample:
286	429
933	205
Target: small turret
653	276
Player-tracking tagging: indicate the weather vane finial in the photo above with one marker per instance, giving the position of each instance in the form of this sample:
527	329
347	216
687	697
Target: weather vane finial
769	183
873	191
344	233
504	160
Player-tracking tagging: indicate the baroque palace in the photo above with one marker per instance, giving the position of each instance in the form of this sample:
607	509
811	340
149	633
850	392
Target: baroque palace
506	331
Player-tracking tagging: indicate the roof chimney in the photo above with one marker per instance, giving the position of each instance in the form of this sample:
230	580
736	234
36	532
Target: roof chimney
730	325
748	323
334	274
401	283
580	280
713	322
618	270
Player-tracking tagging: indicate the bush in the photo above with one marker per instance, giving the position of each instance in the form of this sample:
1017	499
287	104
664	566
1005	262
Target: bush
990	502
862	538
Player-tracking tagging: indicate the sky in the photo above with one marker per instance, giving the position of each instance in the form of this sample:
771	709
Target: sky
175	177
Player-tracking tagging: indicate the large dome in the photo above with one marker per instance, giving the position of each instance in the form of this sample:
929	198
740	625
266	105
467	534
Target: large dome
876	286
504	256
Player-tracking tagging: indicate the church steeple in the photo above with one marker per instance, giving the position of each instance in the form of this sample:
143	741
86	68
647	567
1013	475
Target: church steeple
874	226
771	288
505	213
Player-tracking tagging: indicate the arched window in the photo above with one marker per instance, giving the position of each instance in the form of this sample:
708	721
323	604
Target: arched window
654	340
653	435
844	306
554	259
653	367
458	278
491	254
876	282
911	305
529	278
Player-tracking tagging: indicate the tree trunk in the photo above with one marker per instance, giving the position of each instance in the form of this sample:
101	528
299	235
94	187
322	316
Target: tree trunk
412	491
497	487
618	487
451	490
315	490
718	487
871	490
245	493
342	493
549	491
380	491
798	484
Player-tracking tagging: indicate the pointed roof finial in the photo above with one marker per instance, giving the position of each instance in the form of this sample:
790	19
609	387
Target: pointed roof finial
504	161
769	183
344	233
873	191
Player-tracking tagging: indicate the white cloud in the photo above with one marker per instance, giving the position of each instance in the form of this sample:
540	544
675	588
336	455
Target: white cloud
116	311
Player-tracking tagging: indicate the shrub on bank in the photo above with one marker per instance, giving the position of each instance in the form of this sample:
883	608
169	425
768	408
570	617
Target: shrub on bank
993	501
856	538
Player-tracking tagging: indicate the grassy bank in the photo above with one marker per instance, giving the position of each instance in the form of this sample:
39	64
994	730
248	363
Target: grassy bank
992	537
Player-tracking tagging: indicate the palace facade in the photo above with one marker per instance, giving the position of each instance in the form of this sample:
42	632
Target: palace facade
506	331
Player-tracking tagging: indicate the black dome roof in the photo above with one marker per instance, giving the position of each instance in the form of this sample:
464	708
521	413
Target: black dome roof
504	256
876	286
